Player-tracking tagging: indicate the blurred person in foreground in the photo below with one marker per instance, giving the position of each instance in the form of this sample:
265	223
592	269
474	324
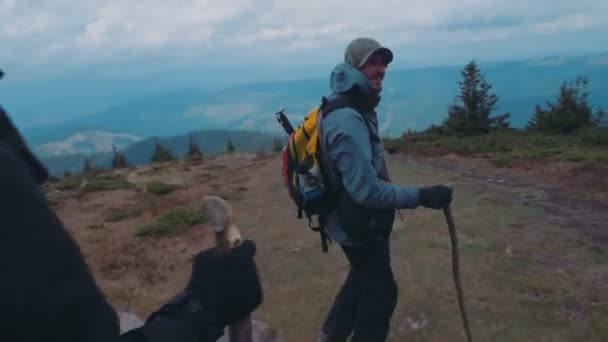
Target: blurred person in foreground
49	294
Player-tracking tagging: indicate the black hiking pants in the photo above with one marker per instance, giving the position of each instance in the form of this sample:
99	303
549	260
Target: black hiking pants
365	303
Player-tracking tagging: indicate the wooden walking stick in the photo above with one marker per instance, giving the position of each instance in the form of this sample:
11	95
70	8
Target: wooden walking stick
227	236
456	270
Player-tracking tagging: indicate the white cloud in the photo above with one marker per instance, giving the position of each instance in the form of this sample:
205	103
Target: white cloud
571	22
87	142
222	112
157	24
114	30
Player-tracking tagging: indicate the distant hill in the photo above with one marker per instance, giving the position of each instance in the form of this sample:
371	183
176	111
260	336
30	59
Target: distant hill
413	98
87	142
211	142
145	117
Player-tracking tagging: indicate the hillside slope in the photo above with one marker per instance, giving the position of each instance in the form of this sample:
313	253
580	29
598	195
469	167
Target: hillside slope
533	256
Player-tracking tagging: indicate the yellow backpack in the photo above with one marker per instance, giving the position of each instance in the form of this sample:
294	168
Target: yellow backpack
301	168
303	174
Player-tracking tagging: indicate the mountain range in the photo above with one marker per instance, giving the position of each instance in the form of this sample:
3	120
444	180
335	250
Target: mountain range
412	98
210	142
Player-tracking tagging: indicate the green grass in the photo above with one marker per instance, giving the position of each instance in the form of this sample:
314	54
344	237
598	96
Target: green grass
173	222
160	189
123	213
588	146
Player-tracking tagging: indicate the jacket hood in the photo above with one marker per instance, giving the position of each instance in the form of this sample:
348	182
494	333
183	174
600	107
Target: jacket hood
344	76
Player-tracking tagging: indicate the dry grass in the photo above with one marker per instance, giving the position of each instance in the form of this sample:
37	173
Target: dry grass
100	181
534	268
512	254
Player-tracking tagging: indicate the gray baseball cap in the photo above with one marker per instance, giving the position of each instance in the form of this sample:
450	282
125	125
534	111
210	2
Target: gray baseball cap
360	49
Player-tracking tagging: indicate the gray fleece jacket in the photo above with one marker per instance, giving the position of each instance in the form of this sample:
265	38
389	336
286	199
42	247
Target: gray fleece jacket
357	157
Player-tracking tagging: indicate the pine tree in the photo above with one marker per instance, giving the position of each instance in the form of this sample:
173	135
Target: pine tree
601	117
570	111
472	114
193	150
277	145
161	154
229	146
87	166
119	160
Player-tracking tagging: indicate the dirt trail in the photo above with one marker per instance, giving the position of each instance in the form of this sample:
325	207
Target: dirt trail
533	257
569	207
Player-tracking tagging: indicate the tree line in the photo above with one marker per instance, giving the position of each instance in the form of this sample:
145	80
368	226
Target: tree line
160	154
474	110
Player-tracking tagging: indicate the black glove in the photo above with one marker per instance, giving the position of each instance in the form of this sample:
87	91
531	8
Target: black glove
228	285
435	197
181	319
223	289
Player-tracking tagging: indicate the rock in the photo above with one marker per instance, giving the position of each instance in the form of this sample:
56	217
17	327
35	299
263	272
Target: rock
129	321
262	332
417	323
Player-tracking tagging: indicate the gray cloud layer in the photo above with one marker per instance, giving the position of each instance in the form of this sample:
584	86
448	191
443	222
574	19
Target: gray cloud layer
82	32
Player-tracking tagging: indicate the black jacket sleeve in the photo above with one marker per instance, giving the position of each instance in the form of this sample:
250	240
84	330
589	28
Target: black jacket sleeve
47	292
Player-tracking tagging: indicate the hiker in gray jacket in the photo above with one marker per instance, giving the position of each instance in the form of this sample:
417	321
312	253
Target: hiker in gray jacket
363	213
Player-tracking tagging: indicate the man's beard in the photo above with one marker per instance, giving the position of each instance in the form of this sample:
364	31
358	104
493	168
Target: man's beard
377	80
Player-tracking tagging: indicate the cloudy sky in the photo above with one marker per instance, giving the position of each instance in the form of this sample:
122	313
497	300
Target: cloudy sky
95	32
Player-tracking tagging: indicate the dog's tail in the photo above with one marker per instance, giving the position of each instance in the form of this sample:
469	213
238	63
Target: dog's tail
226	232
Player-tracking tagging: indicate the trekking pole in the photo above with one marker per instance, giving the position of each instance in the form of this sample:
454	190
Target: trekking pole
284	121
456	270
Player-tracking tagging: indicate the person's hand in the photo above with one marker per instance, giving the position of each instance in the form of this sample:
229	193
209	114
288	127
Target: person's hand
435	197
227	284
223	288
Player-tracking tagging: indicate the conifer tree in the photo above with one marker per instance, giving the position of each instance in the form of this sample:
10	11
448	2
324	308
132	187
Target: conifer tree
161	154
87	166
229	146
472	113
277	145
119	160
569	111
193	149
